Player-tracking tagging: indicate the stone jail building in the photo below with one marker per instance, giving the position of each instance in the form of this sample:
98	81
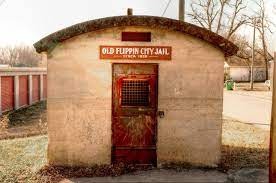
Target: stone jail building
135	89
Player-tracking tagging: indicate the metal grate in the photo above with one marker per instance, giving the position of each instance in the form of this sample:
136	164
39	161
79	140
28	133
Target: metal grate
135	93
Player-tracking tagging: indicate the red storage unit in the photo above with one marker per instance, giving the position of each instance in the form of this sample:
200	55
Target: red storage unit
7	93
23	91
44	86
36	90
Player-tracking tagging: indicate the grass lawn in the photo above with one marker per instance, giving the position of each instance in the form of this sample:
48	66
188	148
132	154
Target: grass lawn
21	158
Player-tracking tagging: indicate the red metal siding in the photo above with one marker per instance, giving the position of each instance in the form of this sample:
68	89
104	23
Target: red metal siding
44	86
23	91
7	93
36	90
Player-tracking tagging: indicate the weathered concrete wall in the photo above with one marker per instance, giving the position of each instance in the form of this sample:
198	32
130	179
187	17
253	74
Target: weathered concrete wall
79	99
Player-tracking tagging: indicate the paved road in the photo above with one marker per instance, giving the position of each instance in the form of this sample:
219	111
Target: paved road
252	107
193	175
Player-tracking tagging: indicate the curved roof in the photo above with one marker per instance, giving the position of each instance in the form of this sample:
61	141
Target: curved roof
50	41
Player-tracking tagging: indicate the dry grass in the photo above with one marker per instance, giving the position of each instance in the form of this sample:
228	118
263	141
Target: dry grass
244	145
21	158
24	160
24	122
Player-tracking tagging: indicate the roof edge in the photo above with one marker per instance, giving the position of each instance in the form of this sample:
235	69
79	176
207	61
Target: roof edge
51	41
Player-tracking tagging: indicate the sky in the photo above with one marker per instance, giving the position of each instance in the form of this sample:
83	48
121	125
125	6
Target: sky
27	21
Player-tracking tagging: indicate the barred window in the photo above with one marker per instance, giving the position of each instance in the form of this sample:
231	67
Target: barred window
135	93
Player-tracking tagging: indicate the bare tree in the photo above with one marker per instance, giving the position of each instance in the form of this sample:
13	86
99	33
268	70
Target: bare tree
8	55
204	12
237	18
244	55
245	51
264	26
19	56
224	17
221	12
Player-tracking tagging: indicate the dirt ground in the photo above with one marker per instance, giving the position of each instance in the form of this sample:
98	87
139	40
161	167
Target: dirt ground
24	122
243	146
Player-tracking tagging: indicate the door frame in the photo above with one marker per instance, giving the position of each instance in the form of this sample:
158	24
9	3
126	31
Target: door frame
156	101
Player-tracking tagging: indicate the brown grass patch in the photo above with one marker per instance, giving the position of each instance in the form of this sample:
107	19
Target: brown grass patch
24	122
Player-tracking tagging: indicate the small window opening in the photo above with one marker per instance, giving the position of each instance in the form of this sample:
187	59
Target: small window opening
135	93
136	36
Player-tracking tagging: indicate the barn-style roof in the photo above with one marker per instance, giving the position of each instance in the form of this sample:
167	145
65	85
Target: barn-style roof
50	41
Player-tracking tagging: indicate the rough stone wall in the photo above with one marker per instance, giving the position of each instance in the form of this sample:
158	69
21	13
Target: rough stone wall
79	99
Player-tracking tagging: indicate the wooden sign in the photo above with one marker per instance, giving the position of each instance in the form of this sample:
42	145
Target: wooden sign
136	52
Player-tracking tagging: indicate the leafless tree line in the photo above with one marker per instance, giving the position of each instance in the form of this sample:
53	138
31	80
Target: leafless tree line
226	17
264	26
19	56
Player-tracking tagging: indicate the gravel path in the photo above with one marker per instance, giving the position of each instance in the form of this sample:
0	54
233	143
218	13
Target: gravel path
193	175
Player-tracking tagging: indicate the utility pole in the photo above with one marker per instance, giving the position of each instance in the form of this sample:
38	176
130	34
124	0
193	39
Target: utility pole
181	12
253	56
272	148
129	12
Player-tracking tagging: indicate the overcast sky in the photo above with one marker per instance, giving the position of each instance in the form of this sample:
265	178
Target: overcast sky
27	21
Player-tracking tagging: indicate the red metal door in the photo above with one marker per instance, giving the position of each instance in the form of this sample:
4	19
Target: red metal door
7	93
134	108
36	86
23	91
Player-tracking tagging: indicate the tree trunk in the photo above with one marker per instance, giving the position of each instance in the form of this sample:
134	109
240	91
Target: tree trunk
265	56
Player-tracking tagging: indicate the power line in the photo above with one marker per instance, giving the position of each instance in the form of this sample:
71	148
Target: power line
166	8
